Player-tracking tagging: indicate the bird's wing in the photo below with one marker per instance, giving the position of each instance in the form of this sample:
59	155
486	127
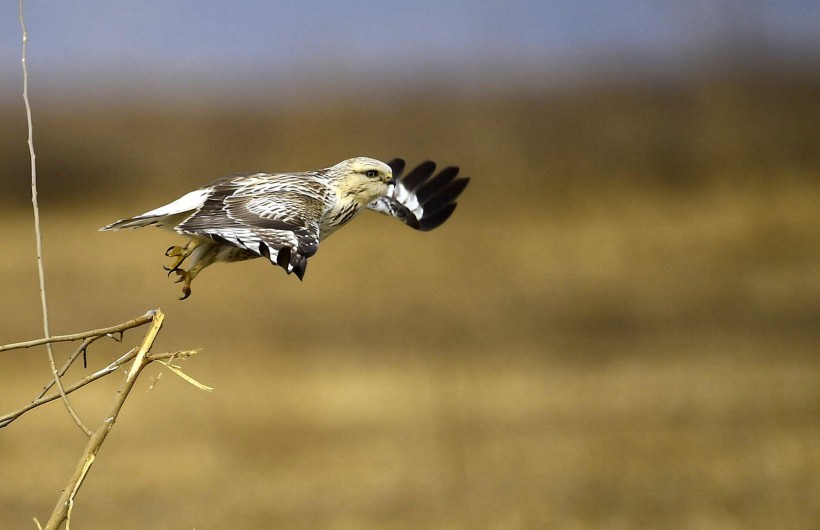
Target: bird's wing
419	199
273	216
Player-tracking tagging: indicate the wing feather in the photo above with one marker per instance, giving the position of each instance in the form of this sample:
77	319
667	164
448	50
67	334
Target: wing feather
420	199
265	216
164	216
281	216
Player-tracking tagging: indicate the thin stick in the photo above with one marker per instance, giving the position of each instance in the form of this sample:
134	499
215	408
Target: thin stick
40	400
88	338
99	374
66	500
73	357
38	234
119	328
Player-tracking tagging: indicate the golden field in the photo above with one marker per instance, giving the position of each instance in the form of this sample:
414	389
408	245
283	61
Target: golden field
618	328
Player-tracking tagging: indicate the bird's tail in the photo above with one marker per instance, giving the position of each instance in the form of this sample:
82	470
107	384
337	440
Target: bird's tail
133	222
168	215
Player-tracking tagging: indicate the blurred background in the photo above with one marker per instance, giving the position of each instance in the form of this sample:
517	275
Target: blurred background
618	328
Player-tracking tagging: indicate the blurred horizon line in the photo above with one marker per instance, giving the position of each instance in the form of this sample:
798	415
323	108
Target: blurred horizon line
618	70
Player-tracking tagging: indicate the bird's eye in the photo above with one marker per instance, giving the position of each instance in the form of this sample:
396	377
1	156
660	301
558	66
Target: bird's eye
371	173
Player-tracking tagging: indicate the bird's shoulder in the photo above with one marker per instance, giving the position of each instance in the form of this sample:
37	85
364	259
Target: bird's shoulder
260	184
252	197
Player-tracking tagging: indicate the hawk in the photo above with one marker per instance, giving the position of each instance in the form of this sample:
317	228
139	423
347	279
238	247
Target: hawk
284	216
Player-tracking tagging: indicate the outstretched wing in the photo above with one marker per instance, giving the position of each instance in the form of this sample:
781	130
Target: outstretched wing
419	199
267	217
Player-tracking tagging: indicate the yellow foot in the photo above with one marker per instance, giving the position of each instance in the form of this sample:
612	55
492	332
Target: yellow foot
180	253
174	251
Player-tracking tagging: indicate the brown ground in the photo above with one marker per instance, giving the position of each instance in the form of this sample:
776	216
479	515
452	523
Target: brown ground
619	328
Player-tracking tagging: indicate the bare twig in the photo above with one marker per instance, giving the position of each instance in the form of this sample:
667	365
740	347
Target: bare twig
164	357
81	349
87	337
113	331
141	359
38	233
40	400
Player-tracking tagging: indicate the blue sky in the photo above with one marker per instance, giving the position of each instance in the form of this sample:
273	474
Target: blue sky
224	43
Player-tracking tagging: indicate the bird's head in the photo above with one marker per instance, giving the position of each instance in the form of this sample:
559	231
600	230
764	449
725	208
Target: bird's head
362	177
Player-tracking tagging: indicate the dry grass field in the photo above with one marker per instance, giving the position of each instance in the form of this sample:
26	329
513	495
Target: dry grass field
619	328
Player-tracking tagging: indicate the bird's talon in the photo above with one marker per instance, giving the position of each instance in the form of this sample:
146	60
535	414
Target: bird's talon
179	254
186	292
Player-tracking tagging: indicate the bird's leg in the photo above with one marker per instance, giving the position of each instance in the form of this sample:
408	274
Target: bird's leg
186	277
180	254
199	253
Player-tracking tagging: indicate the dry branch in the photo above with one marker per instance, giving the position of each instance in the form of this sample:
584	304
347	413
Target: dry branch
112	332
66	500
138	357
87	337
99	374
40	400
38	234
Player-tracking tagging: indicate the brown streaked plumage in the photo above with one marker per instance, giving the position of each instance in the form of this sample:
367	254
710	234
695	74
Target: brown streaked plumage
284	216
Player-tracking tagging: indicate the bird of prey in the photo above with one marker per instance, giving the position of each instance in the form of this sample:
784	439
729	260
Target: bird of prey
283	216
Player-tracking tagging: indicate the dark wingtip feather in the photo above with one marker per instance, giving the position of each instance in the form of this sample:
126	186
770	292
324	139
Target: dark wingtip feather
433	197
429	222
411	221
219	239
283	258
418	175
299	268
445	195
436	184
264	250
397	165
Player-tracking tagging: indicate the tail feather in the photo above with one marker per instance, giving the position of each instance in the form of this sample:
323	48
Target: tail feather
170	214
134	222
